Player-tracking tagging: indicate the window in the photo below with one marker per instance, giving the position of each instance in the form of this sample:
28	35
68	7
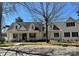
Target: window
67	34
17	27
44	35
32	35
14	35
56	34
50	26
4	35
74	34
42	28
36	28
24	36
70	24
32	26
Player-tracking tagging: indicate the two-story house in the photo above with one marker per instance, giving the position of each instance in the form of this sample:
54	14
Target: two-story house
68	30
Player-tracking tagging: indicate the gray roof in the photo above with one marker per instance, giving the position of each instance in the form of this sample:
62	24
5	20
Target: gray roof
27	24
12	25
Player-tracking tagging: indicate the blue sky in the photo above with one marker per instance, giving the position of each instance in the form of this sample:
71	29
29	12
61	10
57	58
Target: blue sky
69	11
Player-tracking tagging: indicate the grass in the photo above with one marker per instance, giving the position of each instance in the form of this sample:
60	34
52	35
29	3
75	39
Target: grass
6	44
54	42
33	43
22	44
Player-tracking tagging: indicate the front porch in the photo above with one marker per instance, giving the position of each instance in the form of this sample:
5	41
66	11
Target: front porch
23	36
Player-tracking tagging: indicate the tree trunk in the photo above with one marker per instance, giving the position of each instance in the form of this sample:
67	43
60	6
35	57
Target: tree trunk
47	40
0	19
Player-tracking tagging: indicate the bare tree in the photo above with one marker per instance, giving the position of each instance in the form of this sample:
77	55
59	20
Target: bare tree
76	7
0	17
45	12
6	8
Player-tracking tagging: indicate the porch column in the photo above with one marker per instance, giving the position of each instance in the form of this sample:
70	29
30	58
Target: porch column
7	36
28	36
62	35
18	36
21	36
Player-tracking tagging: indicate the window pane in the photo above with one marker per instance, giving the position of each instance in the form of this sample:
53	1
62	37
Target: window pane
42	28
67	34
32	35
56	34
14	35
24	36
74	34
70	24
44	35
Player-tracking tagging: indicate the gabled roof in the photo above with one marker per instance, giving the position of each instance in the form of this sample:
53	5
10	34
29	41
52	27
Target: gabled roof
6	26
26	25
12	25
39	25
55	27
70	19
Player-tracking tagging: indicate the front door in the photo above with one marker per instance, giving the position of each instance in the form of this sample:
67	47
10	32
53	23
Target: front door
24	36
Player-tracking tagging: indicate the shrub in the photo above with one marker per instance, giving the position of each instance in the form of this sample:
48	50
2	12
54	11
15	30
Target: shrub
14	40
58	40
64	45
2	40
61	41
76	40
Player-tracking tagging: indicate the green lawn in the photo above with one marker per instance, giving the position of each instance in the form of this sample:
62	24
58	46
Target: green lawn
22	44
52	42
34	43
61	43
6	44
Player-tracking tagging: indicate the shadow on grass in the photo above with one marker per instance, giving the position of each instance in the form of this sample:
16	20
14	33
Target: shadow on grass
73	53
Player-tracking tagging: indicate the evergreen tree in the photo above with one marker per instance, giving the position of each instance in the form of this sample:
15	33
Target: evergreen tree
19	19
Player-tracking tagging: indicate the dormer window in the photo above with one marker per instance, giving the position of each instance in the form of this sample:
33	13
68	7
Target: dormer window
50	26
43	28
32	26
69	24
17	27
